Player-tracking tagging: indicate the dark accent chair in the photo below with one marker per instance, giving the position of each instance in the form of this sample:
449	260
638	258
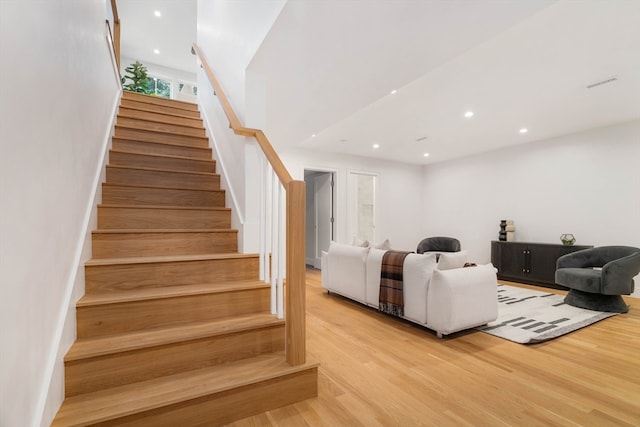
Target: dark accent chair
438	244
599	289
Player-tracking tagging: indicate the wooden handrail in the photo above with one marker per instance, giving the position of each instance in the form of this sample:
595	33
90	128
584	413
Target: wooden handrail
226	105
116	32
295	225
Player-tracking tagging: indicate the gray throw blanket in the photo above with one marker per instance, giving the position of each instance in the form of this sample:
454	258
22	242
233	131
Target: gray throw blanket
391	299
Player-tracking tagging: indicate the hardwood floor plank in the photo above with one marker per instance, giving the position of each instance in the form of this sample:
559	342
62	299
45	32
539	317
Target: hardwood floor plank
376	370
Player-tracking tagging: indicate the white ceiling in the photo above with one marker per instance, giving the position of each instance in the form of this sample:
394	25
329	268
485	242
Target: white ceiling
172	34
330	65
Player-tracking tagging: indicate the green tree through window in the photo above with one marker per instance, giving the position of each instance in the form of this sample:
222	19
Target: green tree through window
159	87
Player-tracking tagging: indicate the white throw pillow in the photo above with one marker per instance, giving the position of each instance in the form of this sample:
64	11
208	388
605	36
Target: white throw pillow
382	245
360	242
451	260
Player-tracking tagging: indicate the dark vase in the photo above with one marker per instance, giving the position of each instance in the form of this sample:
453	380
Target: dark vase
502	236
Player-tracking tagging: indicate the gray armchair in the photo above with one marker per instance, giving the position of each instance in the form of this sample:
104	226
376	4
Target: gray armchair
598	277
438	244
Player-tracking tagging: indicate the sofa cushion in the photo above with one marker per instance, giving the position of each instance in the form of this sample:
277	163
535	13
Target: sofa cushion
417	272
462	298
346	265
451	260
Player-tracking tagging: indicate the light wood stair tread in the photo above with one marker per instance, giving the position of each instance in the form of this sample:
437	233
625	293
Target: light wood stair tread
198	208
165	258
165	126
131	295
162	230
164	131
160	117
164	156
108	184
144	168
141	97
94	347
176	112
134	398
174	144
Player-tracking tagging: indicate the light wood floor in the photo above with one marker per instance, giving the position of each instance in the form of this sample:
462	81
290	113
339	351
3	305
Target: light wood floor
379	371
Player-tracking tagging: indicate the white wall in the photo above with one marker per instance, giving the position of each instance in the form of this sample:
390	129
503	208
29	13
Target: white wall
228	53
57	98
229	33
399	215
587	184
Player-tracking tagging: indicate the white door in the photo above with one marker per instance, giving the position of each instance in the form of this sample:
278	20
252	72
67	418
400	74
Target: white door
324	214
362	200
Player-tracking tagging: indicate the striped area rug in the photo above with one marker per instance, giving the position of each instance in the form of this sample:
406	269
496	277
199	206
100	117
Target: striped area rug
527	317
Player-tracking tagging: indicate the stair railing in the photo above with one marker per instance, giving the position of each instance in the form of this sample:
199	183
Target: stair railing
115	36
282	230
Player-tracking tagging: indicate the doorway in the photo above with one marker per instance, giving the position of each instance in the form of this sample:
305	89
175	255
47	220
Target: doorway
320	213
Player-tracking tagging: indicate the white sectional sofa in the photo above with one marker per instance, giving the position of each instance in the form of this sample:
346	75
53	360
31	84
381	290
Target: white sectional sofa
441	295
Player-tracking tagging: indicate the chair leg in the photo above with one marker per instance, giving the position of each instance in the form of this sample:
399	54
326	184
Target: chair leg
597	302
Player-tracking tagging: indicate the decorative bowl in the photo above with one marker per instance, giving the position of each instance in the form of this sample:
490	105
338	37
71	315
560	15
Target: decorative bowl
567	239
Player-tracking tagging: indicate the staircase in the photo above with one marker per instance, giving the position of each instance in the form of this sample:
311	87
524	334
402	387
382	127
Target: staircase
175	327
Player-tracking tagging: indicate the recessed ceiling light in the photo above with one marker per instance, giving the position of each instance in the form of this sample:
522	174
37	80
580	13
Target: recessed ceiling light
313	135
393	92
376	146
426	154
156	51
157	13
524	130
468	114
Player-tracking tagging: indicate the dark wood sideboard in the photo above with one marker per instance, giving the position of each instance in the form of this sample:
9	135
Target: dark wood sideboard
532	263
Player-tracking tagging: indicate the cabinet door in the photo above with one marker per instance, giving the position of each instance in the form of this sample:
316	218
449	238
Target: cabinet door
512	260
542	263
